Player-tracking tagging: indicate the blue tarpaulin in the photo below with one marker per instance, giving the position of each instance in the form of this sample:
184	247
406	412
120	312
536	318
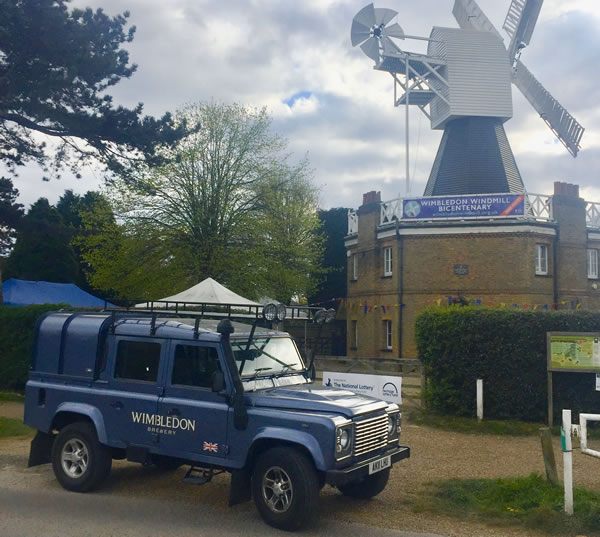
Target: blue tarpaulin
24	292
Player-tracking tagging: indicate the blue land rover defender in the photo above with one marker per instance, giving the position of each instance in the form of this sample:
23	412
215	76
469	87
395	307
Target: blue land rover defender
214	395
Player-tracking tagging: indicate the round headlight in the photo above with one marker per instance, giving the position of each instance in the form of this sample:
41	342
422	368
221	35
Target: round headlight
391	425
344	439
270	312
281	311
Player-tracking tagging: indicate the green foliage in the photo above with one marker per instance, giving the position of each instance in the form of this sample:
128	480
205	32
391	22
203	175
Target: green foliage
11	213
226	205
11	427
11	397
17	326
43	237
334	225
507	349
56	65
530	501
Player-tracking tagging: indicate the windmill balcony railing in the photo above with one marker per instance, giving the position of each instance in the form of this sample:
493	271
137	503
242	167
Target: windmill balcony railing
538	207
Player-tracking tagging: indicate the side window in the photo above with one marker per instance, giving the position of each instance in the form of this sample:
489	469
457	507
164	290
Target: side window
194	366
137	360
541	259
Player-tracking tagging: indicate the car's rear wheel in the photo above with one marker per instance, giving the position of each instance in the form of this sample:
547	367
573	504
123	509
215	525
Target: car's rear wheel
285	488
80	462
368	487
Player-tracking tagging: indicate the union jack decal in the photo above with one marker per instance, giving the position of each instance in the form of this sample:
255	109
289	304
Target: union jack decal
210	446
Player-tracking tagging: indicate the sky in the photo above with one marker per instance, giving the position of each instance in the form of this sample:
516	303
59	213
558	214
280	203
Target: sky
295	58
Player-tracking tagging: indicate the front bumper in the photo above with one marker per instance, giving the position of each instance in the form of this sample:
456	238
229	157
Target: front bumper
358	471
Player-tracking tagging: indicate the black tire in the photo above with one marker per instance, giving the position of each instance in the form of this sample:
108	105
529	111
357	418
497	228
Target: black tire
295	502
80	462
167	464
368	487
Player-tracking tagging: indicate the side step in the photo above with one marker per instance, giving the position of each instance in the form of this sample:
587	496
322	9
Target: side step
200	476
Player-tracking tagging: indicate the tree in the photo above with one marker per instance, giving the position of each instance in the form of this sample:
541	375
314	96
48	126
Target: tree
55	68
42	250
210	210
334	225
11	213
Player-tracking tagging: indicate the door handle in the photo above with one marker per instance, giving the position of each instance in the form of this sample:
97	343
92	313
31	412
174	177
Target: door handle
173	412
117	404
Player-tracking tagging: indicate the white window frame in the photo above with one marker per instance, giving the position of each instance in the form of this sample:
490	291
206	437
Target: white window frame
387	261
389	338
355	267
541	259
592	263
354	325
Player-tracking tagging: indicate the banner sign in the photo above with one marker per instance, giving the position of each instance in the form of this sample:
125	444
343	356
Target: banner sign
568	351
472	206
379	386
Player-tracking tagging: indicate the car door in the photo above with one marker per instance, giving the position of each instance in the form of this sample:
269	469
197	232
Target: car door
131	400
196	417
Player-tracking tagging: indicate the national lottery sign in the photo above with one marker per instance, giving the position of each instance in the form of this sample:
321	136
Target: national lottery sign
379	386
472	206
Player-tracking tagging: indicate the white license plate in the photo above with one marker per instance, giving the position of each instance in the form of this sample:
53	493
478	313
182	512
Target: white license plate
380	464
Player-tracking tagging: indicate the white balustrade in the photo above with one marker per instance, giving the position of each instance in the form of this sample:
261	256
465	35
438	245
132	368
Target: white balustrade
390	211
593	215
352	222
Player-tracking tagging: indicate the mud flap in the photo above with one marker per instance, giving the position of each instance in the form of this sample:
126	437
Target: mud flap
239	490
40	451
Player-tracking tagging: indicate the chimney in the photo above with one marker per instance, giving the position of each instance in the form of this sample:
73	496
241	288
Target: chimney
566	189
371	197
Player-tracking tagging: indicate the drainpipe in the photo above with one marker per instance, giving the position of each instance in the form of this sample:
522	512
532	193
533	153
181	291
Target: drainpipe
401	285
555	262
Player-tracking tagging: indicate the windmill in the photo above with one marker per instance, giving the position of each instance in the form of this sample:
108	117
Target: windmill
463	86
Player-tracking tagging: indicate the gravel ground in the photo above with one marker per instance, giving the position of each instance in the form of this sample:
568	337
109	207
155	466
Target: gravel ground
435	455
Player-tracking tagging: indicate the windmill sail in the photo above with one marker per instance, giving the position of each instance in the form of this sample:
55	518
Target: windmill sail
563	125
520	22
470	17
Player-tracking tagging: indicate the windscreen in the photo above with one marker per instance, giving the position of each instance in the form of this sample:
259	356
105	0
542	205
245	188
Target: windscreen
267	356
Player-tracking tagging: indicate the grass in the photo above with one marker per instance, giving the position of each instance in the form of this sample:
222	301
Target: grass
11	427
525	501
471	425
6	397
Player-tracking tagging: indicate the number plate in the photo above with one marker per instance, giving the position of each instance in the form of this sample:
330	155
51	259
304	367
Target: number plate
380	464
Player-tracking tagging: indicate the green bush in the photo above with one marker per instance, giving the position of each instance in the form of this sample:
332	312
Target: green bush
507	349
17	324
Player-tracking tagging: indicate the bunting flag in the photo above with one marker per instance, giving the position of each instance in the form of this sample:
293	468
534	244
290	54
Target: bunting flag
450	301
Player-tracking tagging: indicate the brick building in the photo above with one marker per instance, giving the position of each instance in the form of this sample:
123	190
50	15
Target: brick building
545	258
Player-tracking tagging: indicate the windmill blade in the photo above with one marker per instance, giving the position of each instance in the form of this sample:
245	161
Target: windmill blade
384	15
366	16
563	125
520	22
394	30
371	48
358	33
470	17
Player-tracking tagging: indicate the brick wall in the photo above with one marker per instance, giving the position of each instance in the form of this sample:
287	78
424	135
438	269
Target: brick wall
492	261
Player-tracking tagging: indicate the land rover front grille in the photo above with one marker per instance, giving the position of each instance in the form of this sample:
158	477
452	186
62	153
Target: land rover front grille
370	434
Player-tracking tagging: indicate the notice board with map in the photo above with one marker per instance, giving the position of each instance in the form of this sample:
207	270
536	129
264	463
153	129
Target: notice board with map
574	352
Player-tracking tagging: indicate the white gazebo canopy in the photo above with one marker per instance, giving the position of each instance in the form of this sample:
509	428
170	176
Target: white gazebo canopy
208	291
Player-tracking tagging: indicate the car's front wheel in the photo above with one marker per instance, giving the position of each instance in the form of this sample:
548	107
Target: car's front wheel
285	488
80	462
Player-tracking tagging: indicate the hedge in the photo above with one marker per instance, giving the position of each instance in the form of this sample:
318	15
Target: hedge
507	349
17	325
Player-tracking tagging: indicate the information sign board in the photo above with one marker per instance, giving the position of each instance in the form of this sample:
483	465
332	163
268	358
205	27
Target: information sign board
471	206
574	352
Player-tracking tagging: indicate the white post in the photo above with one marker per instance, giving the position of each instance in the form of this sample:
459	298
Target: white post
479	399
567	447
